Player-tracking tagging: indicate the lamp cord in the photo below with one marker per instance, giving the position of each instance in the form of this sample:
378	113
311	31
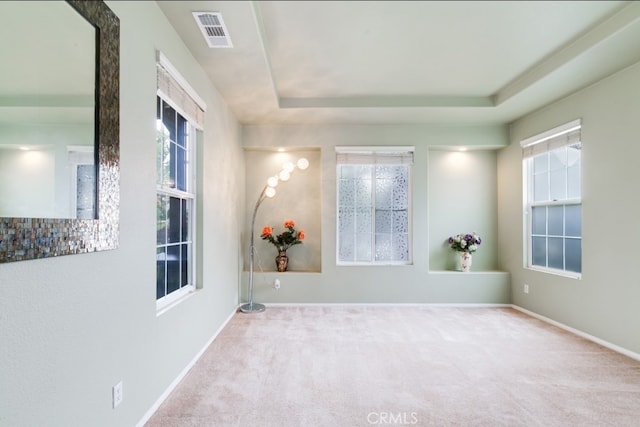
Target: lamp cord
259	265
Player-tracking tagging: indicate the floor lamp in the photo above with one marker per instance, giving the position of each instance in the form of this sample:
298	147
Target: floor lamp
267	192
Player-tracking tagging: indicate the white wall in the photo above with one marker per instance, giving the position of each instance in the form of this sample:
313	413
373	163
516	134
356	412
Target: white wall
74	326
604	303
415	283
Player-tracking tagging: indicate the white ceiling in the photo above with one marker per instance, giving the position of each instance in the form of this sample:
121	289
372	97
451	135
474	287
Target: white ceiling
462	62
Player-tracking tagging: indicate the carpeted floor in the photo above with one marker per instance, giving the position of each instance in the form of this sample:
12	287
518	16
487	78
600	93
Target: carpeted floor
391	365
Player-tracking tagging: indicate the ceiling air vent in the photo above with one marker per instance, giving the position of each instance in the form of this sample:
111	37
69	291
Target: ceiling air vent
213	29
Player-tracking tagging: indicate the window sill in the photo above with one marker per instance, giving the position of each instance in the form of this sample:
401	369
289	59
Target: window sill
561	273
167	303
284	272
467	272
374	264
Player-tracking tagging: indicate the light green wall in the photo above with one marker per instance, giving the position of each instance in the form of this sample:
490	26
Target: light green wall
74	326
301	193
37	183
396	284
462	198
604	303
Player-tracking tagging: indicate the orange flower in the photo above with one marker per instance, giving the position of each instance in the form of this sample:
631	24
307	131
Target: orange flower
267	231
283	241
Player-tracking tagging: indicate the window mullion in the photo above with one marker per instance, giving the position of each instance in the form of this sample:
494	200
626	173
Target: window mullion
548	177
166	268
546	236
373	213
564	236
568	202
174	192
180	244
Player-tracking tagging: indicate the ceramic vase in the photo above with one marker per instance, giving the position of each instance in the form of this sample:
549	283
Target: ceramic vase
465	261
281	261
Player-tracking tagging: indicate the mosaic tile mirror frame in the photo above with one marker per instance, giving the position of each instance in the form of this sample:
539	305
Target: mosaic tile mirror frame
32	238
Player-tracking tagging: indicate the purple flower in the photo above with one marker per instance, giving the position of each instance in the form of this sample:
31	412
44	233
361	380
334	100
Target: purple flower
467	242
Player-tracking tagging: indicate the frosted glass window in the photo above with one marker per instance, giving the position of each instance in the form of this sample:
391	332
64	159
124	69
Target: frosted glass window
552	173
555	253
558	184
539	246
573	255
539	220
347	220
383	221
556	220
384	193
400	222
373	220
346	247
383	247
363	219
555	237
364	247
346	192
573	220
541	187
363	192
400	245
573	182
558	159
541	164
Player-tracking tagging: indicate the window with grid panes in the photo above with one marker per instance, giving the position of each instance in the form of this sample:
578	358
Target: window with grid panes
180	115
374	206
174	250
553	199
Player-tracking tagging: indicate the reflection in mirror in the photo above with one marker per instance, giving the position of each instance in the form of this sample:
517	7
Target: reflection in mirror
47	111
62	122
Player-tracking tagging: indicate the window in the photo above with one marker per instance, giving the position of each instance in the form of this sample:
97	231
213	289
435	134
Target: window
175	191
374	201
553	200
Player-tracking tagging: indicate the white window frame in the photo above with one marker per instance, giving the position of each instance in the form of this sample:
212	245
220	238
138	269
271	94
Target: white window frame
548	141
377	155
174	90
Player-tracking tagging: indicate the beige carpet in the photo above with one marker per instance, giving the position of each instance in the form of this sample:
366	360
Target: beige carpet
416	365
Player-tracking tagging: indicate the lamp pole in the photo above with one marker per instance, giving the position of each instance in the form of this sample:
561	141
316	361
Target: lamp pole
267	191
250	307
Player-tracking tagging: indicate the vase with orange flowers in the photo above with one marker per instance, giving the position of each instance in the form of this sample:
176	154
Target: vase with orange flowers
283	241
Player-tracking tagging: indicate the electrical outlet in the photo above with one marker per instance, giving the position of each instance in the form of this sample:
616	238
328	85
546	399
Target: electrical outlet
526	288
276	284
117	394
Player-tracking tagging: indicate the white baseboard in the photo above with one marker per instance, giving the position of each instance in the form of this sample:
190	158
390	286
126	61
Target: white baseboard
147	416
384	304
596	340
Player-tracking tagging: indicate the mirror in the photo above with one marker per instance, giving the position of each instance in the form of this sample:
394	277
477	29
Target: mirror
47	126
59	129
